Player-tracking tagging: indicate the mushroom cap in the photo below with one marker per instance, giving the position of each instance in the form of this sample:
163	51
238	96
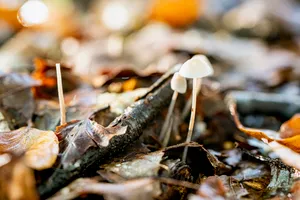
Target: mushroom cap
178	83
196	67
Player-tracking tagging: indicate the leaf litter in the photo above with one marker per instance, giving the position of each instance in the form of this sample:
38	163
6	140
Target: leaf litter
110	146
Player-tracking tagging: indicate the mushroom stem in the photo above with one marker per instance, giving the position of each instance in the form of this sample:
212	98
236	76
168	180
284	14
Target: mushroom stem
192	119
187	107
60	95
168	134
167	121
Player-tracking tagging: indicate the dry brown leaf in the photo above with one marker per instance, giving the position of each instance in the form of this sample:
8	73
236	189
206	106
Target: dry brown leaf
132	189
40	147
16	99
16	180
144	166
211	188
269	135
77	137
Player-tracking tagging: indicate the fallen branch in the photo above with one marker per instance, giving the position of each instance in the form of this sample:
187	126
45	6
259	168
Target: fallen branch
135	117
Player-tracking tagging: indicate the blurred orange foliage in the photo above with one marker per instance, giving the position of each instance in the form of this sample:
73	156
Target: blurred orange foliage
177	13
10	16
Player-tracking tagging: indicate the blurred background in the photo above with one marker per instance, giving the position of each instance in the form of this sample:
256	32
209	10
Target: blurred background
243	38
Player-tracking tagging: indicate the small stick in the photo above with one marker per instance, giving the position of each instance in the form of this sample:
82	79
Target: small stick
60	95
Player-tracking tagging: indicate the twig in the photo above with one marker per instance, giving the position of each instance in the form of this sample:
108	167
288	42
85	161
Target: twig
60	95
136	118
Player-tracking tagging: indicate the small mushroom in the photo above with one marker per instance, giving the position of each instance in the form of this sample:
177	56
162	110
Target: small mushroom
179	85
195	68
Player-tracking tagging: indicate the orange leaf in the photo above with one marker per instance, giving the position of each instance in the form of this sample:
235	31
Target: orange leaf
291	127
269	135
256	133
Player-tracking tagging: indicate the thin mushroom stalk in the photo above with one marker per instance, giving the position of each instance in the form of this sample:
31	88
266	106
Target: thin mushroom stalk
192	119
188	104
178	85
167	121
195	68
60	95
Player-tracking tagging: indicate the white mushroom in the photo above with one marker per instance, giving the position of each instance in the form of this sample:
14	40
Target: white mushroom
179	85
196	68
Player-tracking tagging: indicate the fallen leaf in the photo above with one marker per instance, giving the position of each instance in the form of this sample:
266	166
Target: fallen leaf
234	189
234	156
17	181
268	135
295	190
128	190
275	181
16	99
40	147
291	127
77	137
211	188
143	166
47	114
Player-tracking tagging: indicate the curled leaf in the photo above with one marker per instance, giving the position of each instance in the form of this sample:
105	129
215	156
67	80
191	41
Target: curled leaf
78	136
256	133
268	135
40	147
291	127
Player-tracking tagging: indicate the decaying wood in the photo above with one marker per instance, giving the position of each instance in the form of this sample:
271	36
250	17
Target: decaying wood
135	117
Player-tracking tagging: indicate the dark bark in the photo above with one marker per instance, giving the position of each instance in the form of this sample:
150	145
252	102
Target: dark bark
135	118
